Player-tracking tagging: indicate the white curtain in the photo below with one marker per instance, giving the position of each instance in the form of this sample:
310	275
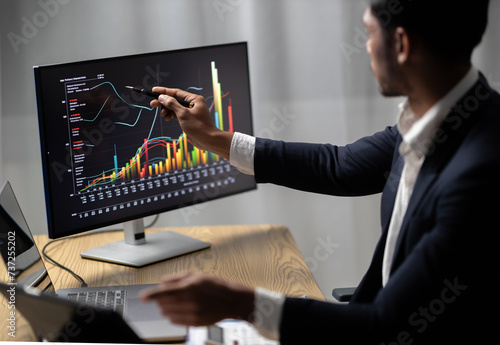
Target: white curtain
309	74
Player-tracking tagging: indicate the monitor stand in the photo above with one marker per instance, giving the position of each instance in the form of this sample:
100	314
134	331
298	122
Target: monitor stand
136	251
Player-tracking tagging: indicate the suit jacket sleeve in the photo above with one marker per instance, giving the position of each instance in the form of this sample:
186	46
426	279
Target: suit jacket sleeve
439	291
439	294
357	169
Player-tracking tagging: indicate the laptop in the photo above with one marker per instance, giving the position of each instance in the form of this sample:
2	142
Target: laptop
55	319
25	267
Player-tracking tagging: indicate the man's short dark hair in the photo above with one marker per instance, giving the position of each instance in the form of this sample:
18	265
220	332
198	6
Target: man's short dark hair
451	29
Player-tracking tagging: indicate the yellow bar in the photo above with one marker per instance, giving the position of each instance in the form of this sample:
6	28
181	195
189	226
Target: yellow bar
217	93
179	160
138	162
215	81
156	169
186	156
161	167
219	110
150	170
169	158
179	150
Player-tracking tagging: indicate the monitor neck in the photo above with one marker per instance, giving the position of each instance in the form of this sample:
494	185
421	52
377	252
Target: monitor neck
134	232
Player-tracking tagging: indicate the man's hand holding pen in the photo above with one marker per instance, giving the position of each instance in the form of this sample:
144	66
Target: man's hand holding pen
196	121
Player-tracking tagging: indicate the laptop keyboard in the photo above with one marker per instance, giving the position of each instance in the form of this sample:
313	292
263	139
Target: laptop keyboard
107	299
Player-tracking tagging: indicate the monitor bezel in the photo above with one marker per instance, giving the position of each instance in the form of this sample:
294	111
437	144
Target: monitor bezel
50	212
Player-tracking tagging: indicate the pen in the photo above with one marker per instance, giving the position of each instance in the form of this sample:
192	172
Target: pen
156	95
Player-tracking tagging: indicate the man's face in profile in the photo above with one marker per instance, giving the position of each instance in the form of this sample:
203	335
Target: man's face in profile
383	63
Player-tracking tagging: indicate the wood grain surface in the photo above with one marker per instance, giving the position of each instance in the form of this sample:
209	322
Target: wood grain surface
253	255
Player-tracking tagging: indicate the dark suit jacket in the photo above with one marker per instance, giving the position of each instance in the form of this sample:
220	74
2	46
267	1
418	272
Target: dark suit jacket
442	288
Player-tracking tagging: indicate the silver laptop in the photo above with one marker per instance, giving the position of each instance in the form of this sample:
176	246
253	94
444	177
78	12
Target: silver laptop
25	266
57	320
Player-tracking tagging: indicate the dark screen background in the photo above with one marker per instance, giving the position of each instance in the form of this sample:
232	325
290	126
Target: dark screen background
90	124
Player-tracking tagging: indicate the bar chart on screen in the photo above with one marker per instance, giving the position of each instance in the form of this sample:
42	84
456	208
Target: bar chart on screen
120	145
108	155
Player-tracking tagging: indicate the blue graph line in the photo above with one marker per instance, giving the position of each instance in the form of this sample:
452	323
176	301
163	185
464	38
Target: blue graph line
141	107
132	105
129	125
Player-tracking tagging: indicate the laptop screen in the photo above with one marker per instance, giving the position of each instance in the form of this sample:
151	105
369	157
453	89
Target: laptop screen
22	260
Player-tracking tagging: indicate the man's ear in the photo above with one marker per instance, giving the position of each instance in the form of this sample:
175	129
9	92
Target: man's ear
402	45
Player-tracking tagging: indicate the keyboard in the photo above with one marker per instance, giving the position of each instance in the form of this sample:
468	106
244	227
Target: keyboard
107	299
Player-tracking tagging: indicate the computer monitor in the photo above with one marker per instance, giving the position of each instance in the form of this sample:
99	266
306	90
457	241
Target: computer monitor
108	157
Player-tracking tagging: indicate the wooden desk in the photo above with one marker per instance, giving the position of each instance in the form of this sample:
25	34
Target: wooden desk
253	255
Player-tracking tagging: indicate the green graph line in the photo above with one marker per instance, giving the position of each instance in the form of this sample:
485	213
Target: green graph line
98	112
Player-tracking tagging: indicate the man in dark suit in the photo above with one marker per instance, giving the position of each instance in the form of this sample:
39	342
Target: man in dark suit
431	275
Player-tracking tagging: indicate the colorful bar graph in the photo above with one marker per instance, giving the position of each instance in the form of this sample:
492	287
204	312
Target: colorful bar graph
230	115
217	97
177	153
116	161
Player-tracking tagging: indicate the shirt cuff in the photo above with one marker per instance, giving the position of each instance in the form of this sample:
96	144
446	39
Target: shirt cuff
267	313
242	153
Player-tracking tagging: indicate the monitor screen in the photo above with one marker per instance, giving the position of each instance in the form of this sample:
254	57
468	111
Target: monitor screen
108	157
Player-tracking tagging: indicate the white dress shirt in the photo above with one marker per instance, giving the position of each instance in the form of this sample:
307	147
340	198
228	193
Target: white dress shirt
417	134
